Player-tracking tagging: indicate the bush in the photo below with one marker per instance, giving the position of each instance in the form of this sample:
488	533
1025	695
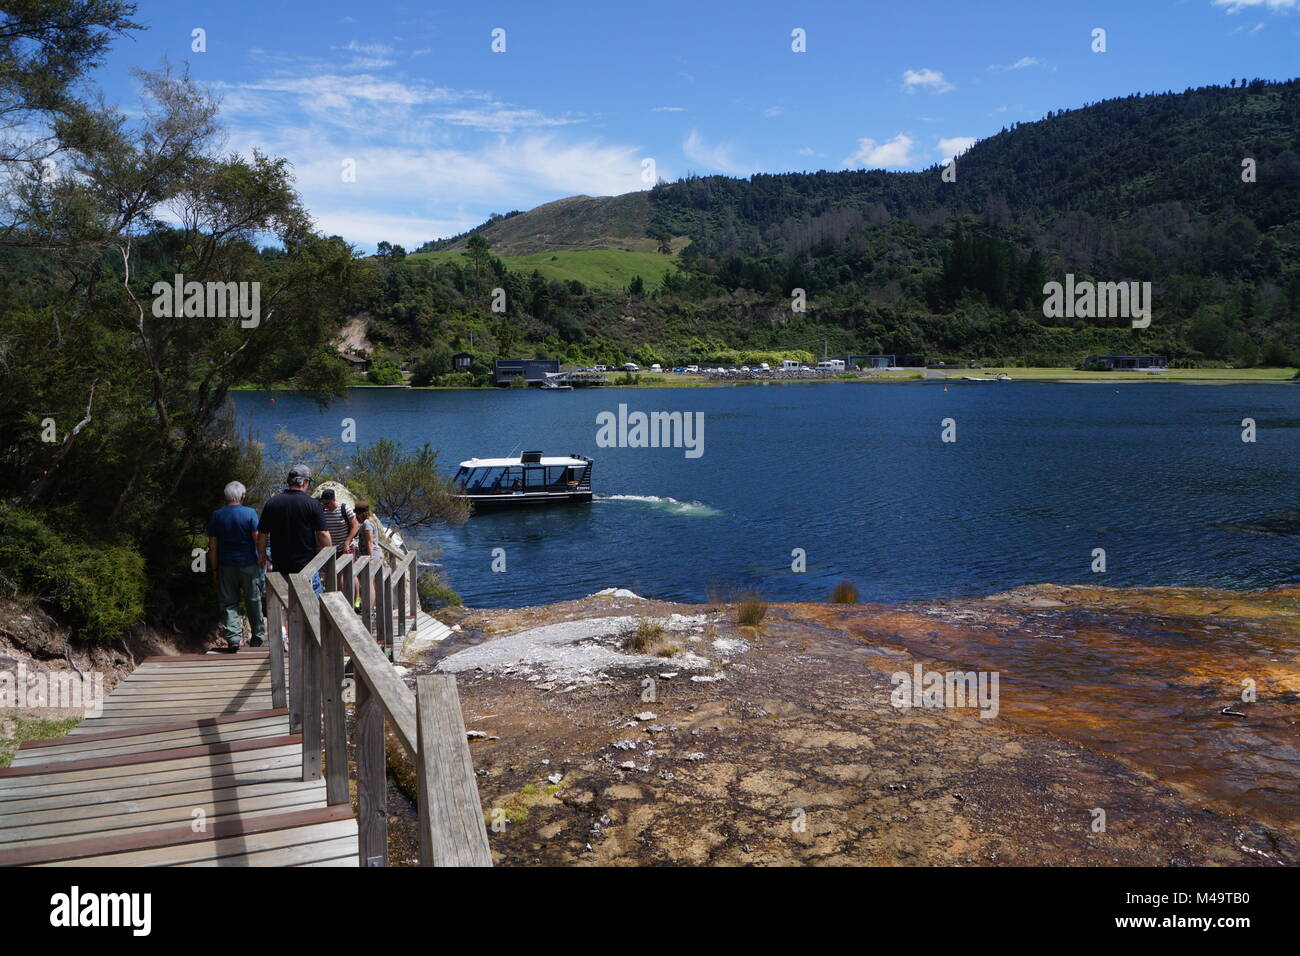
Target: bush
751	610
435	593
646	635
98	590
845	593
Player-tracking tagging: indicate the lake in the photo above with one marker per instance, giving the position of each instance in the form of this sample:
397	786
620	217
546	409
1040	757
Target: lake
857	477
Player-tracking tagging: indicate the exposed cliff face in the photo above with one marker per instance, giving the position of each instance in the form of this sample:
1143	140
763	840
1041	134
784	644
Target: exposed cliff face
792	750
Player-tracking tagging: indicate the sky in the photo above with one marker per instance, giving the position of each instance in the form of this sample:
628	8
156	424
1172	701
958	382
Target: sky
441	129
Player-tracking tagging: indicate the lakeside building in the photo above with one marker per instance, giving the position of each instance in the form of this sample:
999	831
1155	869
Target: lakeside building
532	371
1114	362
358	364
461	362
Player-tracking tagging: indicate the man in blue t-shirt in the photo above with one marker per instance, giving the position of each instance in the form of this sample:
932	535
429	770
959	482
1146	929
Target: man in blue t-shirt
233	557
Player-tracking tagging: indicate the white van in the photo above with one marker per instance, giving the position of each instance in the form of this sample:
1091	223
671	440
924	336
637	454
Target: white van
788	364
833	365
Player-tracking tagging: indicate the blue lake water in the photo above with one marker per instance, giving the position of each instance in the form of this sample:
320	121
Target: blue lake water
1040	475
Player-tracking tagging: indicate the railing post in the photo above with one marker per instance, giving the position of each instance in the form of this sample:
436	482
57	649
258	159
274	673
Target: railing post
385	629
311	681
372	784
336	728
365	579
346	585
399	587
330	573
413	574
275	644
295	659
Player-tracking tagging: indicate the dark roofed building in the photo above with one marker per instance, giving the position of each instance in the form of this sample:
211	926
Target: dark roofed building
532	371
461	361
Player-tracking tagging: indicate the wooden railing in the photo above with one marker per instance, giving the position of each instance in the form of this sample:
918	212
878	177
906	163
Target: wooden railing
322	631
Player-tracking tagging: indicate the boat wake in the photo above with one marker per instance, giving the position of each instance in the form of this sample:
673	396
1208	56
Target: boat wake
692	509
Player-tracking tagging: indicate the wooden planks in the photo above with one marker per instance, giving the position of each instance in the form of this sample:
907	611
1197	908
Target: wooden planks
187	764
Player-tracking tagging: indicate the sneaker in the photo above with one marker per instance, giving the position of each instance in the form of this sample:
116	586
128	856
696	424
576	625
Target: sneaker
255	642
232	648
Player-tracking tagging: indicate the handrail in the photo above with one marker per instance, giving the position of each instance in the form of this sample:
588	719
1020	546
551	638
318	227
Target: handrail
321	631
318	562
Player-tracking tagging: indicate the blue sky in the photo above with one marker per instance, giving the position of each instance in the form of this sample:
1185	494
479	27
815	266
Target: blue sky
444	131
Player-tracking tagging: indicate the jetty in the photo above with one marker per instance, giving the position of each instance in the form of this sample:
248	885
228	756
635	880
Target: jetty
241	759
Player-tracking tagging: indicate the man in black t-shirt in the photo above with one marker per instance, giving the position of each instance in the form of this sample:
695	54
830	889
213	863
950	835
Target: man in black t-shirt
295	524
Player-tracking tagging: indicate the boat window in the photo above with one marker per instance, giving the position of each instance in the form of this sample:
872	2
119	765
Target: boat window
486	478
534	477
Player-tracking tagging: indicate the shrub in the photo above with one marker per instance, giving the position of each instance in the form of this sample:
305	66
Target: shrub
845	593
435	593
751	610
646	635
98	590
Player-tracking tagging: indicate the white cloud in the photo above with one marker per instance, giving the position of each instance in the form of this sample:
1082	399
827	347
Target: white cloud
926	79
1020	64
711	157
873	155
772	112
1236	6
368	104
955	146
668	109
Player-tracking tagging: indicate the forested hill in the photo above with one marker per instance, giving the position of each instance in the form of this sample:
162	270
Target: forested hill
1144	188
1137	162
1154	171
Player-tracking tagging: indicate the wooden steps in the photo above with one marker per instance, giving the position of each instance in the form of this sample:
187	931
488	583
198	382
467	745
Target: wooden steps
187	764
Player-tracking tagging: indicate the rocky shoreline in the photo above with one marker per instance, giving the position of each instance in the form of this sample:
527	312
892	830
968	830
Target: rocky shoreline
1120	735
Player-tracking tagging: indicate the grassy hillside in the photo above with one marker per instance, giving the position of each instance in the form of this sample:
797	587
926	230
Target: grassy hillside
577	222
609	269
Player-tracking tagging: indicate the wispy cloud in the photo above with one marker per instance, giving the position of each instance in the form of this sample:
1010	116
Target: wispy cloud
872	155
718	158
926	79
668	109
1023	63
1276	6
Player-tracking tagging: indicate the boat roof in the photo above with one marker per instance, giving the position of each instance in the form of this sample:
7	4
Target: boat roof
564	462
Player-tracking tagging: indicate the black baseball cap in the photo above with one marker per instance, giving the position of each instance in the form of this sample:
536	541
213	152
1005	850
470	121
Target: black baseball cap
327	494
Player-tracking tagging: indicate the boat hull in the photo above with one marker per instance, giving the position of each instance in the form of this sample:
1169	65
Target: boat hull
483	503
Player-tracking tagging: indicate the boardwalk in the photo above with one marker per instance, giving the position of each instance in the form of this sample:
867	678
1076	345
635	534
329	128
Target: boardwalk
242	759
188	765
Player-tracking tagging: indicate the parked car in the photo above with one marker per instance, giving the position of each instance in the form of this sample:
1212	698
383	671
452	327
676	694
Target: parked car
631	367
656	367
692	368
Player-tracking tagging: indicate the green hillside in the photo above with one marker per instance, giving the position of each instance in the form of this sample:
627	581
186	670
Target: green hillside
1145	188
610	269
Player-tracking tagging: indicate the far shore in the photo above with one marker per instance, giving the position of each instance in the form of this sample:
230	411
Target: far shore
1183	376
